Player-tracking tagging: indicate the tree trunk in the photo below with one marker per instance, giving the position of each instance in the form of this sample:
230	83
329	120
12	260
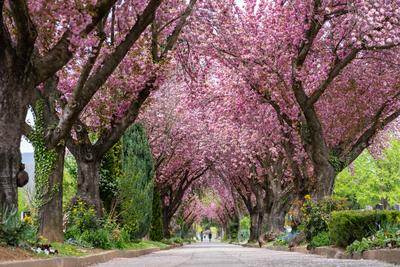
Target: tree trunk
275	219
277	204
13	109
51	212
166	219
325	174
256	222
89	183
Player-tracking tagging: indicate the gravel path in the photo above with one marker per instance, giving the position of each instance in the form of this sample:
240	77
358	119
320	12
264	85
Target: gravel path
224	255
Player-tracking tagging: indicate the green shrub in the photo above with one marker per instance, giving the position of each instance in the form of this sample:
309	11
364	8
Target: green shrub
81	218
110	174
156	230
320	240
244	229
345	227
317	214
388	236
176	240
136	184
99	238
70	180
233	229
358	246
281	240
13	231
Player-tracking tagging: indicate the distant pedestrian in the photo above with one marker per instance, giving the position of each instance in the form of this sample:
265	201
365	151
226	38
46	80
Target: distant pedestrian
209	236
201	236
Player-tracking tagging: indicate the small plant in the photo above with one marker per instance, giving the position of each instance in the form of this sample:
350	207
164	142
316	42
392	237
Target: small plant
99	238
13	231
358	246
281	240
320	240
318	214
388	236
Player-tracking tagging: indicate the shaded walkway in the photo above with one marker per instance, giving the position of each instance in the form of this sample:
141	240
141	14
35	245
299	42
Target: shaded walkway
217	254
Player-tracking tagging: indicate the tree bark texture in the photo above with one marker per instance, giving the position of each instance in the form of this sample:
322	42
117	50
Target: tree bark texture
89	183
166	219
51	213
13	109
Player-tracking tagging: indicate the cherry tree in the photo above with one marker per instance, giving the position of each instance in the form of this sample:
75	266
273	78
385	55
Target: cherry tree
328	68
117	104
30	55
178	145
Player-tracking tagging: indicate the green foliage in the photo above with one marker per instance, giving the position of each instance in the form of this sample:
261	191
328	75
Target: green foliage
23	204
317	214
136	184
245	223
345	227
233	229
110	174
67	250
45	158
99	238
244	229
156	230
13	231
70	180
388	236
320	240
373	179
281	240
85	229
358	246
81	218
146	244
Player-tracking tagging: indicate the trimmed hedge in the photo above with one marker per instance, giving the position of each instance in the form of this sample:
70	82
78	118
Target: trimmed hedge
347	226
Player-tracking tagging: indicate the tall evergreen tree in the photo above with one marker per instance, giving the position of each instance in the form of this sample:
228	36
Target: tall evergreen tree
110	174
136	183
156	230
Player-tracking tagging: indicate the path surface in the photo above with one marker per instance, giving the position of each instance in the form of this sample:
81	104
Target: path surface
224	255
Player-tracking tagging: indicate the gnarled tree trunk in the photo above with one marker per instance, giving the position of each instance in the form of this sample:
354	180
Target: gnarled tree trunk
51	212
256	224
275	218
166	219
13	109
89	183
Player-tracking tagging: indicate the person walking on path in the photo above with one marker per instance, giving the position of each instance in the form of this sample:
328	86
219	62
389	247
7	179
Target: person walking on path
209	236
201	235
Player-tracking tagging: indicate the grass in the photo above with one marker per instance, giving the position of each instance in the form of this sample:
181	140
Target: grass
146	244
76	251
68	250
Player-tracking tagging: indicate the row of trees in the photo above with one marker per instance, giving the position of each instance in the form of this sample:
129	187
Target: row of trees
85	72
271	99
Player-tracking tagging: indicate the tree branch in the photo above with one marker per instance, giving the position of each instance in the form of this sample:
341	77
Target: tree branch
100	76
25	29
172	39
333	73
364	140
5	38
108	139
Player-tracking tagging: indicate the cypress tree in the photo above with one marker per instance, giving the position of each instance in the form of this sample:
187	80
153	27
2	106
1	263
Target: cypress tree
110	174
136	183
156	230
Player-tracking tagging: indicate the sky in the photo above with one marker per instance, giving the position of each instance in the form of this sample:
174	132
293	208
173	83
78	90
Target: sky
26	147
